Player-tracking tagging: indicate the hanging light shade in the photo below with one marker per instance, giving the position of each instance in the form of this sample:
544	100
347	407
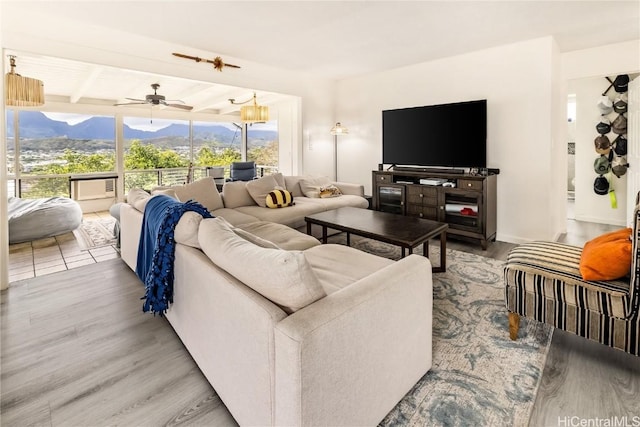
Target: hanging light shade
338	129
254	113
22	91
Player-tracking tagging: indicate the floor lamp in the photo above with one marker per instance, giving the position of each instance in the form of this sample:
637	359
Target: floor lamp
338	129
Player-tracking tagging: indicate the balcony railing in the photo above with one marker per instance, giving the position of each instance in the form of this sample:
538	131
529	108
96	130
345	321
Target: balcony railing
36	186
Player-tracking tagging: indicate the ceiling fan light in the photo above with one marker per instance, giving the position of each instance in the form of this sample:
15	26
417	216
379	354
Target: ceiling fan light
22	91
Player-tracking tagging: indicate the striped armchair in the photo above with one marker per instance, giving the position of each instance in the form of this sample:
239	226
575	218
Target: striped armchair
543	282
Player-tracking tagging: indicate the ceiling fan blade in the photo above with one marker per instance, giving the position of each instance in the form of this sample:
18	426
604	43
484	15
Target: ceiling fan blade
138	100
175	100
131	103
182	107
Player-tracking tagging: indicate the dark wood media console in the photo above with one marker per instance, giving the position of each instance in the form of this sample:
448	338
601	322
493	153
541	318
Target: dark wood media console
469	207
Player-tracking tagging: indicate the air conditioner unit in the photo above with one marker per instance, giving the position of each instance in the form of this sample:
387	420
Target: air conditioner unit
92	189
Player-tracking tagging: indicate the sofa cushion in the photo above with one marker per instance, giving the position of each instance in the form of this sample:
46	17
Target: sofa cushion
259	188
284	277
235	194
186	231
337	266
234	216
138	198
292	184
256	240
203	191
311	186
344	200
279	177
293	216
284	237
165	191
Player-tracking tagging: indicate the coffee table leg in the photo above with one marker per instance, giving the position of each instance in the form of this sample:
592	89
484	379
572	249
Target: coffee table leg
402	254
425	249
324	234
309	228
348	239
443	251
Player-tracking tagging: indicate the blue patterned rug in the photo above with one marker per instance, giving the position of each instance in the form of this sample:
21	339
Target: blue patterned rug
479	376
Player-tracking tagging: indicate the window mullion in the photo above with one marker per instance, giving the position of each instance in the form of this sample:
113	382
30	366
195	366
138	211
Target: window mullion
243	146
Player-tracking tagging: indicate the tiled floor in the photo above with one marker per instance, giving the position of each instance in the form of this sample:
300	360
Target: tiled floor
45	256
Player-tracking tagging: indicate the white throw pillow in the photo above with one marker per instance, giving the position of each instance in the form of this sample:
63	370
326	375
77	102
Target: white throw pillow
235	194
292	184
167	192
279	177
311	186
284	277
186	231
259	188
203	191
138	198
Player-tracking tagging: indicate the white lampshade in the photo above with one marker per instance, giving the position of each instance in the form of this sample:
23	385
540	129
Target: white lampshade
338	129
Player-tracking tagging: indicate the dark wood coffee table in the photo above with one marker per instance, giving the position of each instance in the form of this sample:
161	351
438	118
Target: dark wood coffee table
404	231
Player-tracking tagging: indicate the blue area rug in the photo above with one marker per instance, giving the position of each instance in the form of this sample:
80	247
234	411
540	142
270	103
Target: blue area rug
479	376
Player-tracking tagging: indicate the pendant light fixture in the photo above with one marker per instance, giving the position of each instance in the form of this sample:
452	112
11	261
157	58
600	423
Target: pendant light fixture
252	113
22	91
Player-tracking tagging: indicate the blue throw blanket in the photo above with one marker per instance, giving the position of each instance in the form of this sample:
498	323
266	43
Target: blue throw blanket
156	249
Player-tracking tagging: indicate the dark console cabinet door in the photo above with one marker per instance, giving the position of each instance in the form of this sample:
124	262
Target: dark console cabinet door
390	198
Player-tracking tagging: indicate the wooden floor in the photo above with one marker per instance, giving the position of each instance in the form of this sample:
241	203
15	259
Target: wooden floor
76	352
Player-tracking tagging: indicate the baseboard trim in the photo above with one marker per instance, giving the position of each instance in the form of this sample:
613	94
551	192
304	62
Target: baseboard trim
598	220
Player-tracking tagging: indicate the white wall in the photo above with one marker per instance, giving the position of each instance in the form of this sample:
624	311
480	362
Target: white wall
609	60
519	84
558	152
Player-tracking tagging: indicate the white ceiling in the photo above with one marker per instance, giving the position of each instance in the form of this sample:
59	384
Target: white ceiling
78	82
332	39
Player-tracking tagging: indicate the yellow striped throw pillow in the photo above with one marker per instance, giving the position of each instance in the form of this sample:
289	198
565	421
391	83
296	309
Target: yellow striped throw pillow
279	199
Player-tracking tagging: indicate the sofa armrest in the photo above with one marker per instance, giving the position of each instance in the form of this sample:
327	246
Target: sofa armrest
350	188
348	358
130	229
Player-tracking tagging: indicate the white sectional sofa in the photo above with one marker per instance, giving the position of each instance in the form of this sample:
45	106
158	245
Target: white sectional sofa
288	331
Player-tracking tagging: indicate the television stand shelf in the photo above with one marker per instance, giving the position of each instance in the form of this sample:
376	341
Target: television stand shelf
467	203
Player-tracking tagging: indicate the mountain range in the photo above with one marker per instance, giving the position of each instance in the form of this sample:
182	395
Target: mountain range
36	125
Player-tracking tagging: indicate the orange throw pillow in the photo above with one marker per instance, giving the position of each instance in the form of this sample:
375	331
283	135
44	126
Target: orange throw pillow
607	257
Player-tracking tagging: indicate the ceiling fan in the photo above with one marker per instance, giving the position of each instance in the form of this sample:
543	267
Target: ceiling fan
155	99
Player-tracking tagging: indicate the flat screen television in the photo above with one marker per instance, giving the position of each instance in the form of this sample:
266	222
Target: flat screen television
446	135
